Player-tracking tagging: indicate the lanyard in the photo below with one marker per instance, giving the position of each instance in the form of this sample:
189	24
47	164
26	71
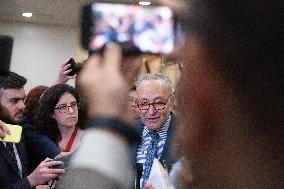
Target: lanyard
71	140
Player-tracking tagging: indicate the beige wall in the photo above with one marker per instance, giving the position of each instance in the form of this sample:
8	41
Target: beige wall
39	50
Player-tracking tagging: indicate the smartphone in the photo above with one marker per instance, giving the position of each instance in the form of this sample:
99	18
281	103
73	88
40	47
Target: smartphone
136	28
16	134
73	67
65	160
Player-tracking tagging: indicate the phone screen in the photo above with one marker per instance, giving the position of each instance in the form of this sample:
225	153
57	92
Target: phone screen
16	134
147	29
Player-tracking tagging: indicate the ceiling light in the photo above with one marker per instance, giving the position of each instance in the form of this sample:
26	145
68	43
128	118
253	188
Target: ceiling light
27	14
144	3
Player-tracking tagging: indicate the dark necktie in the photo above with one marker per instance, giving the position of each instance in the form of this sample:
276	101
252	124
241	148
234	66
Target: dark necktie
10	149
151	154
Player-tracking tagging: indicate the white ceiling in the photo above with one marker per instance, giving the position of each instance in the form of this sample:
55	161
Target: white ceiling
55	12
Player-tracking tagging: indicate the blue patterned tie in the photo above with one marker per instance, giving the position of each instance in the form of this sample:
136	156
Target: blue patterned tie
152	153
10	149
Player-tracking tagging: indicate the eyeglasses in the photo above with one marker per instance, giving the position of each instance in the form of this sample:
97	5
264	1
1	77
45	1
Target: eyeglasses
65	108
157	104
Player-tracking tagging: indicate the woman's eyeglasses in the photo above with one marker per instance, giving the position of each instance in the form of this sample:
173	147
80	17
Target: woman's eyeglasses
65	108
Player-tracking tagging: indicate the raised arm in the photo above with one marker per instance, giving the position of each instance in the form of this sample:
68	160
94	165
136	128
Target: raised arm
107	140
63	76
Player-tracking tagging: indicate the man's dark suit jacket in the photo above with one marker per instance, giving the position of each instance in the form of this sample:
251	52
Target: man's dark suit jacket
167	159
9	176
38	146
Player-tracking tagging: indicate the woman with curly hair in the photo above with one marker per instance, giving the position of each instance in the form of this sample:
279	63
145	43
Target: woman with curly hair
59	116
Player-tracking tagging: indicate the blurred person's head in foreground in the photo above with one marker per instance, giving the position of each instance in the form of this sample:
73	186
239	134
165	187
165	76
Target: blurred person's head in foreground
231	92
132	105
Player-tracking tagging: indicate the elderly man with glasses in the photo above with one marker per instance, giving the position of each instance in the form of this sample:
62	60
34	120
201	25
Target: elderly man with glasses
155	100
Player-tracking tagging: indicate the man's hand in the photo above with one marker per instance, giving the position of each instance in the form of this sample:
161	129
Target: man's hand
44	172
62	154
103	85
63	76
3	130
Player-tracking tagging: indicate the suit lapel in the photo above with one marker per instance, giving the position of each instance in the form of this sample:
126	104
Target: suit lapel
5	154
166	156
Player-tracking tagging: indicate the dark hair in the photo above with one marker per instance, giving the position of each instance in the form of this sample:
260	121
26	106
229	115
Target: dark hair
31	101
43	116
247	39
11	80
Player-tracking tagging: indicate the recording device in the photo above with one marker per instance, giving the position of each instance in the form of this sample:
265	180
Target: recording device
6	43
65	160
136	28
16	134
73	67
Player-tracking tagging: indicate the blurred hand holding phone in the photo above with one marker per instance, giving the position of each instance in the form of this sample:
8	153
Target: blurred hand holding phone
137	29
15	134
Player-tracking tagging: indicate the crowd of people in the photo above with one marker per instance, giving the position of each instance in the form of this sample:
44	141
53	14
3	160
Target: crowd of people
227	131
15	170
16	108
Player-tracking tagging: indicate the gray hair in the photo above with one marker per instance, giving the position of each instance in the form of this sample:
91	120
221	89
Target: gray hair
157	76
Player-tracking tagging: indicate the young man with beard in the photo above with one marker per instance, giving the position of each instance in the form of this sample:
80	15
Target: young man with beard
13	157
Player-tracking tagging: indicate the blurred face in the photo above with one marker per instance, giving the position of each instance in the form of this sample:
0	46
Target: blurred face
66	111
154	95
12	105
188	54
132	99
